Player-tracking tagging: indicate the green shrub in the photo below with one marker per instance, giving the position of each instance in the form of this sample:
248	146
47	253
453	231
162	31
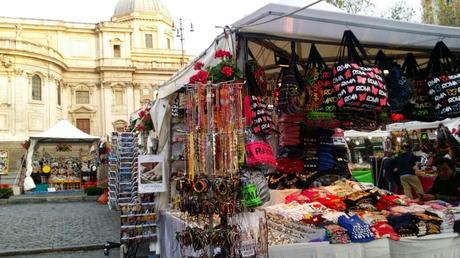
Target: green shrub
93	190
5	193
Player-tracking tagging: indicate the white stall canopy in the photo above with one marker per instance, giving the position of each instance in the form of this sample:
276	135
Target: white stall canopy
270	28
63	131
415	125
358	134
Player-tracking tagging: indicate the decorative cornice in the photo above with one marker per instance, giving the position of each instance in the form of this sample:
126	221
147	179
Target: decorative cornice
117	84
82	109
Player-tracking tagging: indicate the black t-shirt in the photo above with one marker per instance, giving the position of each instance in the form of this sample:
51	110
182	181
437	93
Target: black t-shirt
446	190
405	163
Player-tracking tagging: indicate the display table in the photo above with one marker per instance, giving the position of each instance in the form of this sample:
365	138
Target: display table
61	185
431	246
374	249
427	181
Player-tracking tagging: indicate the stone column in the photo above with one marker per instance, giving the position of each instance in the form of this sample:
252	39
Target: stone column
107	97
130	97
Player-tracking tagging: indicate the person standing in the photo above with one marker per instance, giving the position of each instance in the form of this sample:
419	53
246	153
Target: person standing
405	165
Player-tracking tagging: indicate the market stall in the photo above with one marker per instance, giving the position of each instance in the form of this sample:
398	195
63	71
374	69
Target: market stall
258	110
60	159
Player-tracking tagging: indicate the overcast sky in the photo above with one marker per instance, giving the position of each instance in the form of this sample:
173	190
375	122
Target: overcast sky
205	14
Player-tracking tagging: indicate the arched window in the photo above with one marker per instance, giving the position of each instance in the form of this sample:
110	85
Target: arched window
36	87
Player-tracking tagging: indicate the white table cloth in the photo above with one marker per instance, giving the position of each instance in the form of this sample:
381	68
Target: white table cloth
432	246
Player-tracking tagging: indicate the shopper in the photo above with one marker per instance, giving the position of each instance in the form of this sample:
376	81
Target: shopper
446	186
392	177
405	165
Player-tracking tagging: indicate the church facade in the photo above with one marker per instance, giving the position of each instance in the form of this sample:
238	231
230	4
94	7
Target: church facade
93	75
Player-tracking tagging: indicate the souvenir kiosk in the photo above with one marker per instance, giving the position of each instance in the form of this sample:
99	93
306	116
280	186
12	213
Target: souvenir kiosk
208	217
59	159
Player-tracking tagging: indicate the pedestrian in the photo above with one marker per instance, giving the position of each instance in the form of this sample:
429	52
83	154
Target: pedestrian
391	177
405	165
446	186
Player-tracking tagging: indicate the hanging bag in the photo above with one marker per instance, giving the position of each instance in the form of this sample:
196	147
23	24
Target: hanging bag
359	86
323	98
314	80
256	78
292	93
444	83
420	107
399	90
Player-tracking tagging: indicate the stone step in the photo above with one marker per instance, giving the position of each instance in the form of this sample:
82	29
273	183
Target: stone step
50	197
8	178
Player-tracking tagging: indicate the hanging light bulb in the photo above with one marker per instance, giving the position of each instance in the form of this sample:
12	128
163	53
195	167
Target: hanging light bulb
398	139
357	142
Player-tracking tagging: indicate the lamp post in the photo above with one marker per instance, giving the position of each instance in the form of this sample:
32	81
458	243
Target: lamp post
180	35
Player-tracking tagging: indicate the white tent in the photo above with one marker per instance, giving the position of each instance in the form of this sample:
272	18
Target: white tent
358	134
274	25
63	131
415	125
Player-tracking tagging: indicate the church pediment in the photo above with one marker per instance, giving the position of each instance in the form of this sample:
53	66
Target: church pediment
83	109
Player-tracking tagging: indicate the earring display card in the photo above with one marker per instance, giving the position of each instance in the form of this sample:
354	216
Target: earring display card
151	176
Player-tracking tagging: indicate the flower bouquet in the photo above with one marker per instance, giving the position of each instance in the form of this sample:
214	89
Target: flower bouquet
144	122
225	70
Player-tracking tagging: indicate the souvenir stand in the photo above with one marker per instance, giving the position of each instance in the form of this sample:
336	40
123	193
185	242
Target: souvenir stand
292	94
62	170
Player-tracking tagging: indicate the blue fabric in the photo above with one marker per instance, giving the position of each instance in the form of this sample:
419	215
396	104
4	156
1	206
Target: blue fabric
357	229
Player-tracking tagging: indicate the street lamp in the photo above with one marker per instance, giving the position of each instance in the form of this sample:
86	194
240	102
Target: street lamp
180	35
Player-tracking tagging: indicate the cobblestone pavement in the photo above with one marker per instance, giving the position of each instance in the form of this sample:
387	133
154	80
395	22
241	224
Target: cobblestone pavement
54	225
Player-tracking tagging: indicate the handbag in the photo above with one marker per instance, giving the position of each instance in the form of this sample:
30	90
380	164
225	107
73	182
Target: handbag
443	86
314	80
399	91
256	78
358	86
420	107
292	92
254	176
257	116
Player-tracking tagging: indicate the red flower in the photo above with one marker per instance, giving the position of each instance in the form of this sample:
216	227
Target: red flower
222	53
201	76
227	71
198	65
140	127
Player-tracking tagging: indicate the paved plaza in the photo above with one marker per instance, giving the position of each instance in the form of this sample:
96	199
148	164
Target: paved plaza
58	225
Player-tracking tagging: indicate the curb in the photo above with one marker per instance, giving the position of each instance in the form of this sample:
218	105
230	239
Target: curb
48	199
51	250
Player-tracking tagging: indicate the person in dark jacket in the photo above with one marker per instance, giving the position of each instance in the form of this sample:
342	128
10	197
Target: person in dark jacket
446	186
405	165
